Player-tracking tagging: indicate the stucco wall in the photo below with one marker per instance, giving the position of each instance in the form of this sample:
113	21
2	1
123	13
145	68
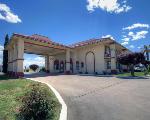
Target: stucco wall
98	51
60	57
79	54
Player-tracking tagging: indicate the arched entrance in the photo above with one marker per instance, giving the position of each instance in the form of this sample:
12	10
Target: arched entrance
62	66
90	62
34	44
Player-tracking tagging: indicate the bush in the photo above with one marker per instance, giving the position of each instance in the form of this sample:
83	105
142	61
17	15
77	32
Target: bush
114	72
37	104
43	69
34	67
27	70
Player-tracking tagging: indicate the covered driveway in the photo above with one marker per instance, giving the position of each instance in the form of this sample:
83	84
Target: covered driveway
102	98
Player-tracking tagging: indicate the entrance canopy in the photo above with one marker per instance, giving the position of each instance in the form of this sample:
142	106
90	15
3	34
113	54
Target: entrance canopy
34	44
37	44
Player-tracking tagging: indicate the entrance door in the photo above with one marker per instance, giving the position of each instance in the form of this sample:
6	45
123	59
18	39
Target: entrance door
90	62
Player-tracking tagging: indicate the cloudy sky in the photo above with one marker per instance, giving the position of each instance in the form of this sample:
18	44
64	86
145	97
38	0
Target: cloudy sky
70	21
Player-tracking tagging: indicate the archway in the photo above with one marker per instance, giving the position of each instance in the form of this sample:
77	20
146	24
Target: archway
90	62
34	44
30	59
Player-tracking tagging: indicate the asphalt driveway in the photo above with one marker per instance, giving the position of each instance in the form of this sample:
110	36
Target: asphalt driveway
102	98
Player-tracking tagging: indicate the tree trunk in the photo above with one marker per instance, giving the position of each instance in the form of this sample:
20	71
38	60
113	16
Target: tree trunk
132	70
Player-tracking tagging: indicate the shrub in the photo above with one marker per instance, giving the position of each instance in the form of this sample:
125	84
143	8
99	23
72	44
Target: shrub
27	70
114	72
43	69
37	104
34	67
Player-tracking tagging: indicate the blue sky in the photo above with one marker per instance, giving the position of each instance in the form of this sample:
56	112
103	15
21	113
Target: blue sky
70	21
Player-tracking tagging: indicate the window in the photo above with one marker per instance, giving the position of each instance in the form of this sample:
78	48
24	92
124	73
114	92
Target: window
56	64
77	65
107	51
82	64
108	65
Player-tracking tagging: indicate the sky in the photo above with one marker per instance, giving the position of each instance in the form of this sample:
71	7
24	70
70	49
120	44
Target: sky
70	21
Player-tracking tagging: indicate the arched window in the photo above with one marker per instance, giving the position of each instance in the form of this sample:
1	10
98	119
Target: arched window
56	64
107	51
77	65
82	64
61	66
71	64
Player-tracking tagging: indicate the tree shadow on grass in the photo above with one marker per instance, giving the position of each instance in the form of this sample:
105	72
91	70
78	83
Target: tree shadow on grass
5	77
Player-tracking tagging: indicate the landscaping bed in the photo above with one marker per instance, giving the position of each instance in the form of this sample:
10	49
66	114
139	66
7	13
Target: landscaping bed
11	92
138	74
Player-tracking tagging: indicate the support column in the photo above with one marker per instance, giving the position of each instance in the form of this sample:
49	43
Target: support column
51	64
14	57
47	63
8	69
74	61
10	62
68	61
113	58
18	55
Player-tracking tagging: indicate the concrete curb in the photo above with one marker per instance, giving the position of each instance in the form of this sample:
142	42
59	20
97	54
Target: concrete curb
63	113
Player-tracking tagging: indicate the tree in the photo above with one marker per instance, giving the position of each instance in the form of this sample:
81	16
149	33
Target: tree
131	59
5	55
34	67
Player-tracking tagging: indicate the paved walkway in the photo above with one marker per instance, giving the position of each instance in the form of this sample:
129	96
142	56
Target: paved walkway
102	98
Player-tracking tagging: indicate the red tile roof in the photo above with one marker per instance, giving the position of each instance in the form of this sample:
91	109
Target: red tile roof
44	39
87	42
39	38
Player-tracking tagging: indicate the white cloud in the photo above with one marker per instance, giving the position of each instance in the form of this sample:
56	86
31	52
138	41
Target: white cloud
126	39
7	15
133	34
37	60
1	54
137	25
111	6
125	43
139	47
108	36
138	35
132	46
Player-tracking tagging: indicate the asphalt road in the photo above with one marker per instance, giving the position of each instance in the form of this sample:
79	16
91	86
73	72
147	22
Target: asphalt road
102	98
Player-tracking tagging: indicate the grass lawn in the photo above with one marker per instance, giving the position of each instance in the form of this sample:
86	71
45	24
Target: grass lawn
140	74
10	92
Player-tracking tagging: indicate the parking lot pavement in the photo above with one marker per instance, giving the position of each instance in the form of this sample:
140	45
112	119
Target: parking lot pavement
102	98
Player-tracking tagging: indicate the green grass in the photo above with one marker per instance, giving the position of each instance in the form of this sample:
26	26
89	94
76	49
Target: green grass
139	74
10	92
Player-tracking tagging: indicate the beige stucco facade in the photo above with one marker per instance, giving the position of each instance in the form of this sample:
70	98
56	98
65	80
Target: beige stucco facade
97	56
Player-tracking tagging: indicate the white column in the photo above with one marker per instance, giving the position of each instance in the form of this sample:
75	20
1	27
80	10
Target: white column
74	61
113	56
18	55
68	60
14	57
8	69
51	64
11	59
47	63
